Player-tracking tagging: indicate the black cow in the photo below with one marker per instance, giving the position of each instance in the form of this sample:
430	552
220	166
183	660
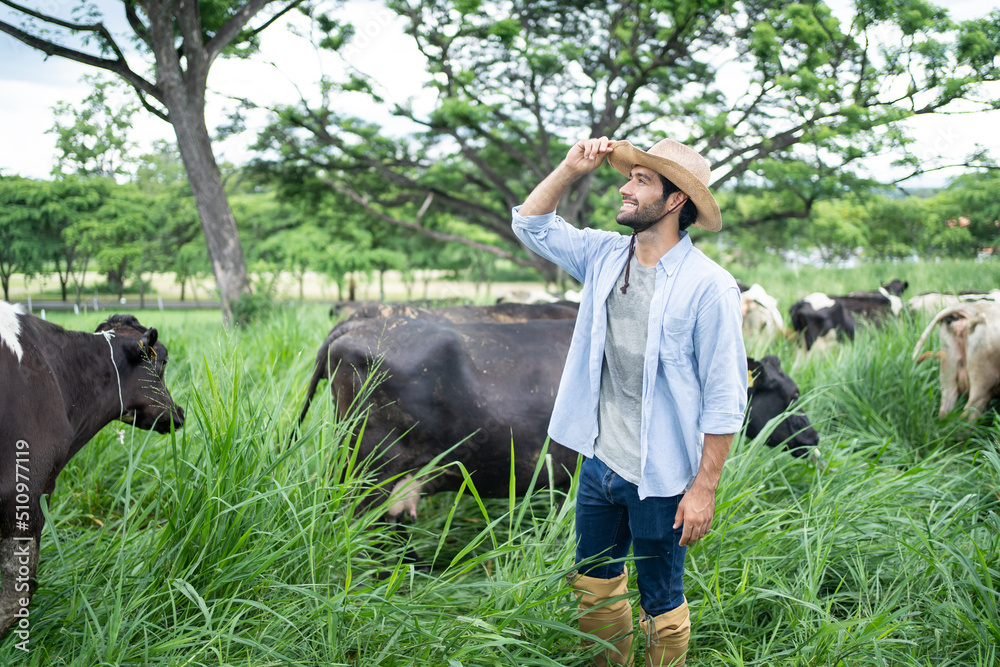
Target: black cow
771	392
437	383
59	389
814	319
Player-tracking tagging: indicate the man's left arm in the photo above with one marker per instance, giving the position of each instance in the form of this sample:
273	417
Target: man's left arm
722	370
697	508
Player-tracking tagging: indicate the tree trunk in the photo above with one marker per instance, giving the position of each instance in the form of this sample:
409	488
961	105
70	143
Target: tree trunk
63	279
217	219
182	86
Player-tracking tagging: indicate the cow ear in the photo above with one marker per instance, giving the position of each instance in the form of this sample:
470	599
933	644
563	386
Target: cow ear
138	351
133	349
752	368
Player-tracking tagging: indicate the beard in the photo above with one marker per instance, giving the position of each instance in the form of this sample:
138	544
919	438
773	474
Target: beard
643	217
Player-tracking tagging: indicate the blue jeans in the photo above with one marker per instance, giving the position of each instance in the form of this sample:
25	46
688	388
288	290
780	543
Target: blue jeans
610	517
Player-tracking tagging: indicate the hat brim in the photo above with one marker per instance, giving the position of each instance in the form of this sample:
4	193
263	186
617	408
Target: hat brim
625	156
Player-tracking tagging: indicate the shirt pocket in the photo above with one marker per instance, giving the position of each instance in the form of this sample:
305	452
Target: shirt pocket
677	341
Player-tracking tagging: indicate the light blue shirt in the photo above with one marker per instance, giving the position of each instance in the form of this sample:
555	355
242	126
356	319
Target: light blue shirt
695	368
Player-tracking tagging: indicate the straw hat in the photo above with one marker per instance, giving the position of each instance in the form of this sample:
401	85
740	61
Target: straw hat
682	166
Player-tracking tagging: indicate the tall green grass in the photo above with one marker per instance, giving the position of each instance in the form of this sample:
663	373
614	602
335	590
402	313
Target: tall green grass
239	541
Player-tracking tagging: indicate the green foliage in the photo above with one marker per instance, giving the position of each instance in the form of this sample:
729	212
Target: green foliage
92	138
253	307
19	248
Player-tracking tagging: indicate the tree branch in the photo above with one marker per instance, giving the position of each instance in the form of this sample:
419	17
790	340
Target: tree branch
438	236
231	28
119	66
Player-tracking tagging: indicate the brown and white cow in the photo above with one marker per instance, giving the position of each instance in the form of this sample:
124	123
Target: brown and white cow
58	388
970	355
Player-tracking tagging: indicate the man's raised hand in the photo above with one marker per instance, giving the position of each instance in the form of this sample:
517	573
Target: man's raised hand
588	154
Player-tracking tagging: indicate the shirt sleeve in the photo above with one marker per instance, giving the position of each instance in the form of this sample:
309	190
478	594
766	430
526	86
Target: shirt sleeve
722	363
551	237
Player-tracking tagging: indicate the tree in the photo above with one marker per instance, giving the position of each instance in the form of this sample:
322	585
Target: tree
780	96
19	244
970	203
179	42
93	138
67	201
121	237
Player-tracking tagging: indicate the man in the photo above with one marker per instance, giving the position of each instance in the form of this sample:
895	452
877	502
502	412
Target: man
653	388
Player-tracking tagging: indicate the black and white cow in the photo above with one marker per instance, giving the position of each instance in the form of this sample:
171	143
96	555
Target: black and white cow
424	386
818	314
818	317
58	389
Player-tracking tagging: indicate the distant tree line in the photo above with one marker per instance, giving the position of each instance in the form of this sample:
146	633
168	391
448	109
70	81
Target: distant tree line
126	231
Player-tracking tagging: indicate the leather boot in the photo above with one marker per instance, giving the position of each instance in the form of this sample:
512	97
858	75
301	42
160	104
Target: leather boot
667	636
611	621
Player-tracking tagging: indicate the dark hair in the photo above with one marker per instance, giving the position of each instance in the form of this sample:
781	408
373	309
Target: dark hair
689	212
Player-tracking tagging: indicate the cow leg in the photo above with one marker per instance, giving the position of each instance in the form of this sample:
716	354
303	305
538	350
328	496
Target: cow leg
981	390
950	384
954	349
403	506
403	498
949	396
18	566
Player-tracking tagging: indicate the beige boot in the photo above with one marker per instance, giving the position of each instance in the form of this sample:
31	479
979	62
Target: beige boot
667	636
611	621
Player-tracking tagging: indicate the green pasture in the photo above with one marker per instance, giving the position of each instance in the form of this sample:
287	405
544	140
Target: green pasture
235	542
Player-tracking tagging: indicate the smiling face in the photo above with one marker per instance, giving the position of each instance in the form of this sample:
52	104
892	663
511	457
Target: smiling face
643	203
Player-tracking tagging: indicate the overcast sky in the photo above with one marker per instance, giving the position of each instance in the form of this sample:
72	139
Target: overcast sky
288	66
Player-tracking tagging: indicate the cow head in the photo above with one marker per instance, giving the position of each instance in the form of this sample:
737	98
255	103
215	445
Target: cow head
896	287
141	361
769	394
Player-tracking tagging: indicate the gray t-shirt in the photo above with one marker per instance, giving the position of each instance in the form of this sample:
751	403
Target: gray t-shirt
620	407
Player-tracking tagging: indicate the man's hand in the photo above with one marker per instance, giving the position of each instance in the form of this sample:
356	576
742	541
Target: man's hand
588	154
585	156
697	508
695	511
